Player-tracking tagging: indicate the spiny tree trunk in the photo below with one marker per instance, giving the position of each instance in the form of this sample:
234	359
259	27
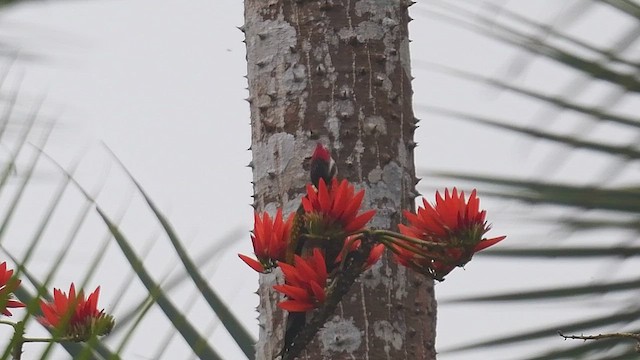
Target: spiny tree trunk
338	71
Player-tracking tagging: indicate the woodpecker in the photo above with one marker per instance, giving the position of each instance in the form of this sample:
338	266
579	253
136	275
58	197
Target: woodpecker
322	167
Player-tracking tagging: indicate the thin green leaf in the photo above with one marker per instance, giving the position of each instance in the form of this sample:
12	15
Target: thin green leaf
625	152
540	31
628	7
554	293
31	167
589	197
203	257
189	334
580	64
595	112
566	253
617	319
233	325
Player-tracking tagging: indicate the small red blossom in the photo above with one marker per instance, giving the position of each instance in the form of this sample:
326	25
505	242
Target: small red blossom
352	245
270	238
457	224
304	283
8	284
333	210
74	316
374	255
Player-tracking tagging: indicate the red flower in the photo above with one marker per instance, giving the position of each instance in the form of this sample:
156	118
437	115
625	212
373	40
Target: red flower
351	245
304	283
270	238
374	255
7	286
74	316
454	222
333	211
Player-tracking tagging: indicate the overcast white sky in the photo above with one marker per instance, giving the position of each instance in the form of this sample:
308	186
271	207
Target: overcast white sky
161	83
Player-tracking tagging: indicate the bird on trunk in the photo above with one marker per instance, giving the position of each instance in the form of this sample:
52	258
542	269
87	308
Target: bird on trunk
323	167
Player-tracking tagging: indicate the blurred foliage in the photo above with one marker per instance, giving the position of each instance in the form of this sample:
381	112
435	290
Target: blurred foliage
609	203
603	205
47	243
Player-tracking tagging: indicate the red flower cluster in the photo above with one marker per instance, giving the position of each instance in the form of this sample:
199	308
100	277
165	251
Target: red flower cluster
333	211
330	213
8	285
72	316
453	222
270	239
310	244
75	317
304	283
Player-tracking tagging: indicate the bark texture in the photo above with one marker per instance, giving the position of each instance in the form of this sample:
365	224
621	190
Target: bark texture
338	72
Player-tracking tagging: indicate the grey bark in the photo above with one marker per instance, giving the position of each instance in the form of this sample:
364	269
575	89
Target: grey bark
338	71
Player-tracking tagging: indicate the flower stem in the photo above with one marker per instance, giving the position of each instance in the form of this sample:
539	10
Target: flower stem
17	341
387	241
316	237
394	236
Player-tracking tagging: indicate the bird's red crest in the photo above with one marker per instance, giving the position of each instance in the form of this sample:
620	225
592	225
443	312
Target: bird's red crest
321	153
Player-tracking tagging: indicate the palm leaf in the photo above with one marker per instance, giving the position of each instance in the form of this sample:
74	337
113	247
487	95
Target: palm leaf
601	205
198	344
231	323
17	193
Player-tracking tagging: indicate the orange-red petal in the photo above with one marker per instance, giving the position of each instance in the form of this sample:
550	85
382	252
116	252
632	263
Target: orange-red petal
293	292
254	264
296	306
488	242
375	255
360	221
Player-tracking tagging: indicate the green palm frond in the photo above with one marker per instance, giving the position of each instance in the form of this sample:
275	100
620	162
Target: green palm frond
51	231
608	203
231	323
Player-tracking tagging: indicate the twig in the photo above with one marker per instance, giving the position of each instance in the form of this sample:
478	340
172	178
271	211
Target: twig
633	336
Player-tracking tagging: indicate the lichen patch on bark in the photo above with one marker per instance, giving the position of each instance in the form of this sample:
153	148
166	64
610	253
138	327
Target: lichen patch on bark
339	335
391	334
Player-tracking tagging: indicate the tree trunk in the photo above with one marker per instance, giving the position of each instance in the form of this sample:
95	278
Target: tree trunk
338	72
